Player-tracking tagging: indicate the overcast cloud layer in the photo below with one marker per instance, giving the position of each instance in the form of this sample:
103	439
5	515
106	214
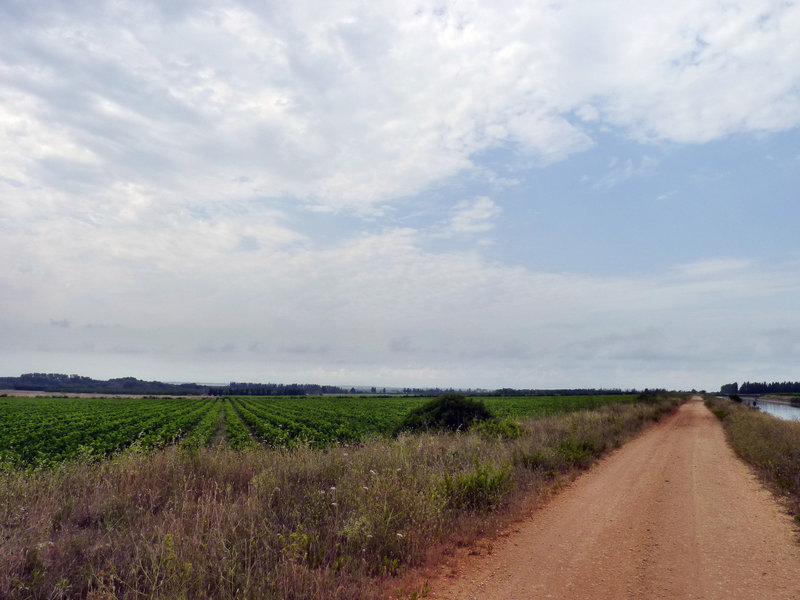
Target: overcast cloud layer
447	193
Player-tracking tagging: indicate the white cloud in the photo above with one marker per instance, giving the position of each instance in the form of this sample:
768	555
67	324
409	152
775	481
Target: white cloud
687	72
715	268
355	104
473	216
622	170
153	157
379	308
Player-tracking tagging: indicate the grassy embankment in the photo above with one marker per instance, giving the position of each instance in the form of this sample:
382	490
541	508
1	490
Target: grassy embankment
301	523
771	445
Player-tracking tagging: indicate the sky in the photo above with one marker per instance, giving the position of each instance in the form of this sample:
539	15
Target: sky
540	194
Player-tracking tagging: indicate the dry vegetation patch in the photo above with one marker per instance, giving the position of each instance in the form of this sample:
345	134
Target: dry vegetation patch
769	444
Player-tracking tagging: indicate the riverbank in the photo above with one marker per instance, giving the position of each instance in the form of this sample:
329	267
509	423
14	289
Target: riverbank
771	445
785	400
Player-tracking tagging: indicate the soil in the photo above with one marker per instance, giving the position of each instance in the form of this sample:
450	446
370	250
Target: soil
672	514
220	438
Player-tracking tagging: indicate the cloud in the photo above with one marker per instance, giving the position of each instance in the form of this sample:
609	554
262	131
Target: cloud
683	73
226	176
623	170
382	308
352	106
714	268
473	216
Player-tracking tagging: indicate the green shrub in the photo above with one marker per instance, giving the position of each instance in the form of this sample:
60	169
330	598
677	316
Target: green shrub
504	429
536	460
478	490
578	452
569	452
719	411
450	412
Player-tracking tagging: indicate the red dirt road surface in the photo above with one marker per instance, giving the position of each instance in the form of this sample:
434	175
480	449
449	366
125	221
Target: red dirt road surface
673	514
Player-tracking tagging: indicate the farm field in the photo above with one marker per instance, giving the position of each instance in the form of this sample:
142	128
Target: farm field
36	431
289	519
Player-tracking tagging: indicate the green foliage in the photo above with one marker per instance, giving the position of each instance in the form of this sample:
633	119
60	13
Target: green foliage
499	429
301	547
201	435
451	412
567	453
577	452
415	595
236	432
45	431
478	490
720	410
539	459
37	432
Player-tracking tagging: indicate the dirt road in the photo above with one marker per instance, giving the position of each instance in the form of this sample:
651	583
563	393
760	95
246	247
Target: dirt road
673	514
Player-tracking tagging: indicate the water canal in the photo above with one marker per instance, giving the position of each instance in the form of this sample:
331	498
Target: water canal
784	411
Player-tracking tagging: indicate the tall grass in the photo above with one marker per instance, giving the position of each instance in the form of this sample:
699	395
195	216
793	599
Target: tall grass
301	523
769	444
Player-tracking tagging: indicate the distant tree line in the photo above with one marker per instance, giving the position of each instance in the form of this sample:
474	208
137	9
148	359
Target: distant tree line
566	392
59	382
748	387
416	391
275	389
525	391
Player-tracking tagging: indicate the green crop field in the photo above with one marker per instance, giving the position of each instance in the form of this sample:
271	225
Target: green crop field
41	431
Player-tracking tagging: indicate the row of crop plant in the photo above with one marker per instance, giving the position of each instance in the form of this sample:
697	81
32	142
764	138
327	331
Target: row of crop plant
40	431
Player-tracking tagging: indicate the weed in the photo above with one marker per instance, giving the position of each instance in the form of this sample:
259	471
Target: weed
577	452
505	429
300	546
769	444
416	595
477	490
536	460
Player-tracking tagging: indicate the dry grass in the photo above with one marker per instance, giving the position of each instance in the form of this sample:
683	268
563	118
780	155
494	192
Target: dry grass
769	444
339	523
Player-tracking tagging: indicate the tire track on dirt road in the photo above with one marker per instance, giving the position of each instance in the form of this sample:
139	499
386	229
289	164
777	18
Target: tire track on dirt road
673	514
